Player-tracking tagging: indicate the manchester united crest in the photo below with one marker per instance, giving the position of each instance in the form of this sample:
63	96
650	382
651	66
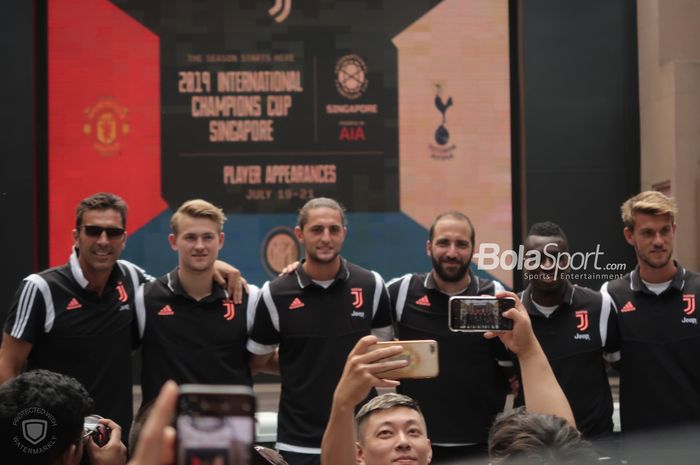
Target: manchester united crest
106	124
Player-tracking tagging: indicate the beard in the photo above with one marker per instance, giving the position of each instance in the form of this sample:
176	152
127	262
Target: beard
660	263
453	277
315	258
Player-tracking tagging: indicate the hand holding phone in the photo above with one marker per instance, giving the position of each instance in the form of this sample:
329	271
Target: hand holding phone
479	314
521	340
215	425
421	355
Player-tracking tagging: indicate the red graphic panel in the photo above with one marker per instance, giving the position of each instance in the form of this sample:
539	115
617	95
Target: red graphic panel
104	115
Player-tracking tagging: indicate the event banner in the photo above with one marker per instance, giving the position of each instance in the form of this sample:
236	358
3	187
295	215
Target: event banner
398	109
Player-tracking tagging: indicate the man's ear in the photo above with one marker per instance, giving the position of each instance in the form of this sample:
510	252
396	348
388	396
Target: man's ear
629	235
171	240
359	454
427	248
71	456
221	240
298	234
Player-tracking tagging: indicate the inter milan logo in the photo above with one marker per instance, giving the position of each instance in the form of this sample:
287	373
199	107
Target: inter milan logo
280	247
442	135
351	76
357	294
230	309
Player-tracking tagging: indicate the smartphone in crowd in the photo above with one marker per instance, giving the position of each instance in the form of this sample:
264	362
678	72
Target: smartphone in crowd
479	314
422	356
215	425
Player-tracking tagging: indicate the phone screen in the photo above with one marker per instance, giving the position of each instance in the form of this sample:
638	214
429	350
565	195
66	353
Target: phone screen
215	428
480	314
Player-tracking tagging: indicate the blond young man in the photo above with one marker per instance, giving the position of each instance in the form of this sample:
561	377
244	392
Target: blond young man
656	322
191	330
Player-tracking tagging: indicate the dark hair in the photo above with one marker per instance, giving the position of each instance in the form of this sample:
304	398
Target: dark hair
547	229
457	216
522	438
319	202
100	201
58	399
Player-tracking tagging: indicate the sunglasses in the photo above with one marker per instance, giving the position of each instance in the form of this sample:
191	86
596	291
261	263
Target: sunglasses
96	231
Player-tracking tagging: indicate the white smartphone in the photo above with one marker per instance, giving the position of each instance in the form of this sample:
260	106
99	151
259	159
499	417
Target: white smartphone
422	356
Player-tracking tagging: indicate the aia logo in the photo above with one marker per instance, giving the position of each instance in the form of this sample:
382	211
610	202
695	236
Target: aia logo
230	309
352	133
357	294
582	316
123	296
689	300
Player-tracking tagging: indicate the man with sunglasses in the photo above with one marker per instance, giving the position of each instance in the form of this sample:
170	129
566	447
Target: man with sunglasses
78	318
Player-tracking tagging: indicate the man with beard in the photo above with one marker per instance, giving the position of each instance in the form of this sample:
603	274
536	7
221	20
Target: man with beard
474	372
567	322
656	326
315	315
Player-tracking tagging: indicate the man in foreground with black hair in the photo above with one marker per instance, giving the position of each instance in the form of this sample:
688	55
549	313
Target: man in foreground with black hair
41	423
390	429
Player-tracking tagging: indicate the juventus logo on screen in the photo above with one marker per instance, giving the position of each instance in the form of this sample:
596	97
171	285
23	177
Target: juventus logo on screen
280	10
